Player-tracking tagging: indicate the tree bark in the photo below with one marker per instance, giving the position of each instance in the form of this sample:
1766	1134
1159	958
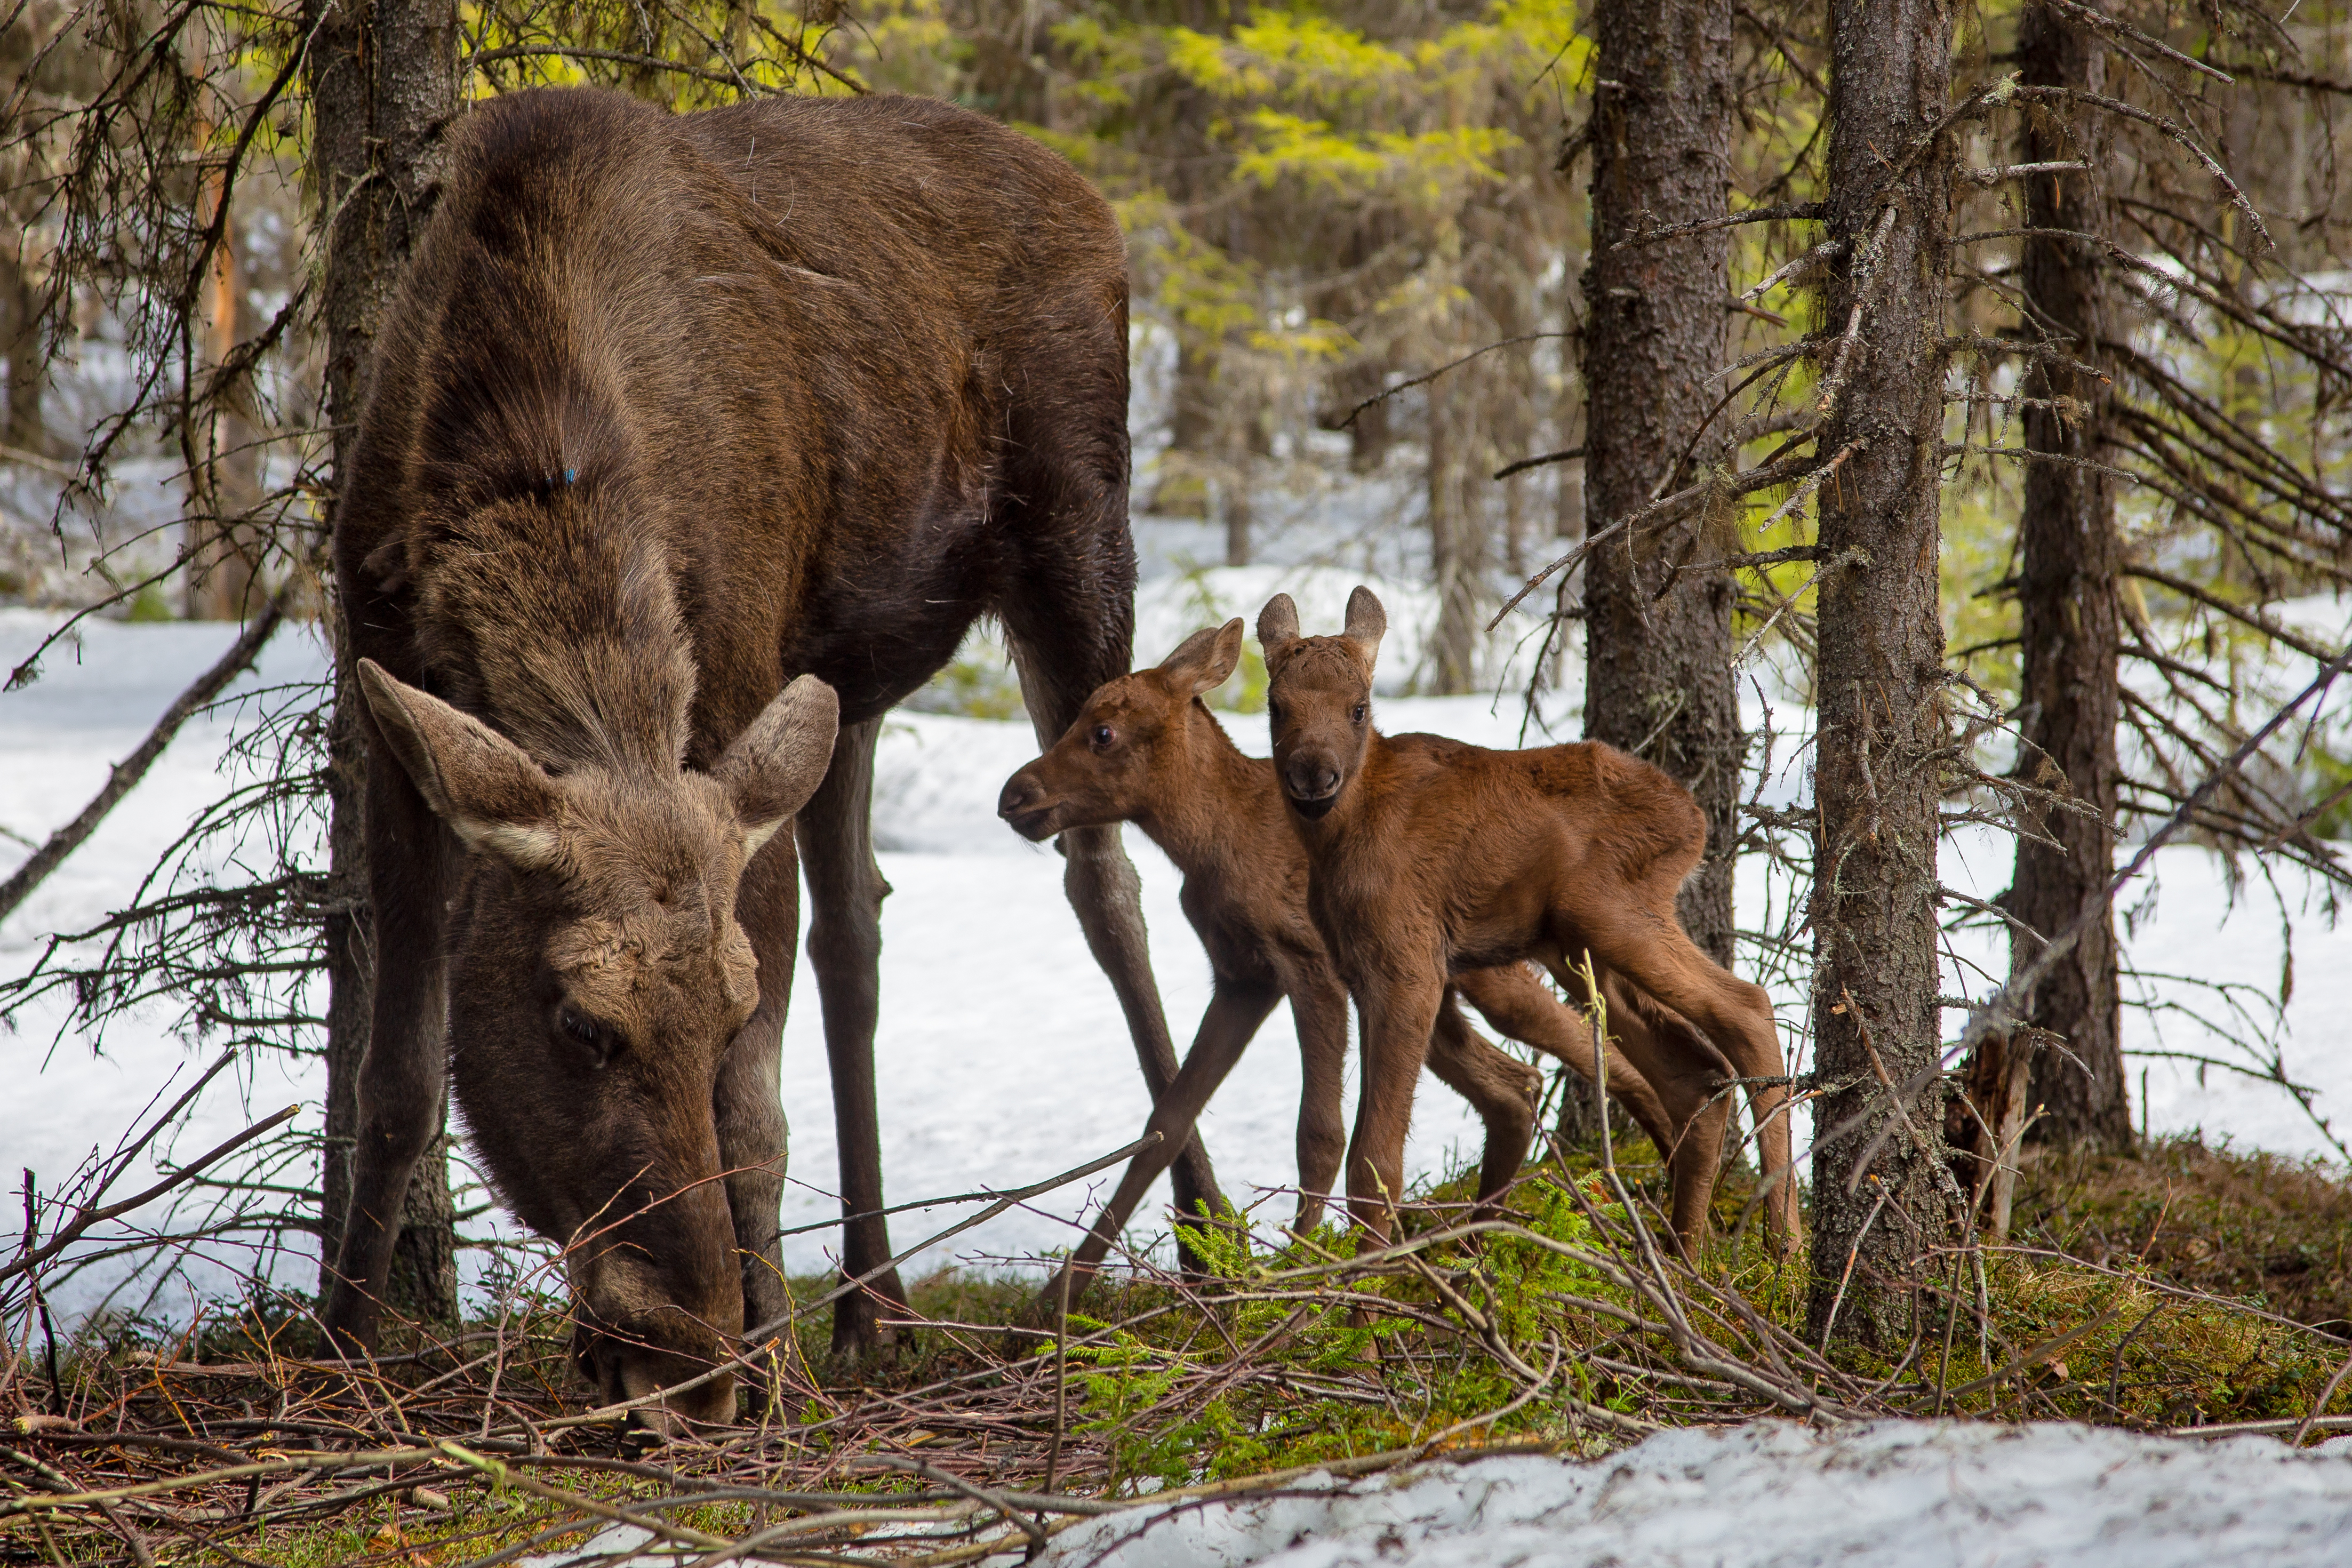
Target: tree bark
1658	677
383	86
1879	675
1458	540
2067	598
224	470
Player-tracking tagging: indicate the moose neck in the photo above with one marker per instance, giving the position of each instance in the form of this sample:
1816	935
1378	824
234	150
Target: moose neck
1216	792
576	640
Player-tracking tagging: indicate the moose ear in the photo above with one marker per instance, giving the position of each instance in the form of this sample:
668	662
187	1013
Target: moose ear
1277	627
776	764
1367	624
1207	657
493	797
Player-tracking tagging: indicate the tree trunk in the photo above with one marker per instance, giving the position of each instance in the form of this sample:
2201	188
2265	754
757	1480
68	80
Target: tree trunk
21	427
383	86
1658	677
1880	721
2067	595
1457	542
224	471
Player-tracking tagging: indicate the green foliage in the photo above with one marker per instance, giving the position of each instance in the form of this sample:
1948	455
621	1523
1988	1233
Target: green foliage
151	604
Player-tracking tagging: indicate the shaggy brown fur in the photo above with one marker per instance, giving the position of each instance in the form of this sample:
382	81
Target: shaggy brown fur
1146	749
668	411
1428	858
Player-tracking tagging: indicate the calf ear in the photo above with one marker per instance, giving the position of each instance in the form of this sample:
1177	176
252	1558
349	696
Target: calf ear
776	764
1207	657
1277	627
1367	624
493	797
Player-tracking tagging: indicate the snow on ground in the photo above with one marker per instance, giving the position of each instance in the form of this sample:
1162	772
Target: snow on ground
1890	1494
1002	1055
1895	1494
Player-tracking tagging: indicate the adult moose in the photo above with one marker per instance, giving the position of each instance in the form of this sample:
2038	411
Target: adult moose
666	411
1428	858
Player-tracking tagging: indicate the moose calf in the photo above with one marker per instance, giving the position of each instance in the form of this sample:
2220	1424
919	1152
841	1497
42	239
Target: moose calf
1146	750
1430	859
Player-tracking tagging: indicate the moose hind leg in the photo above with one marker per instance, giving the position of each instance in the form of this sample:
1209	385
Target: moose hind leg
845	947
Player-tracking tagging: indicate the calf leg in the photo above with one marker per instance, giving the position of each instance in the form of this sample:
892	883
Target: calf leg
1399	1016
1234	1013
1660	960
845	945
1320	1011
1519	1004
1501	1091
746	1102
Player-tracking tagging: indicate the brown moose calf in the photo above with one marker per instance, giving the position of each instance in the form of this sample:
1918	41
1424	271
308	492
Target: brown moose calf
1146	750
1429	858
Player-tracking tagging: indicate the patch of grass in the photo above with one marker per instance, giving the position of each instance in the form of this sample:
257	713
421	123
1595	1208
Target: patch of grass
2271	1230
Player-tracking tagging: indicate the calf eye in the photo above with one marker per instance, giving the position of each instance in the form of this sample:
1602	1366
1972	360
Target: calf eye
599	1041
1102	737
1359	714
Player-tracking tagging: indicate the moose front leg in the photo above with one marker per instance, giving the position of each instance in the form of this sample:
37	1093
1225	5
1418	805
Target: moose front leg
1319	1009
402	1075
746	1103
845	946
1502	1090
1399	1014
1234	1013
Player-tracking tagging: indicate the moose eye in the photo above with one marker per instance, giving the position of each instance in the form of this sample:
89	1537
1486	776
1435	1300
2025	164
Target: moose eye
1102	737
599	1040
1359	714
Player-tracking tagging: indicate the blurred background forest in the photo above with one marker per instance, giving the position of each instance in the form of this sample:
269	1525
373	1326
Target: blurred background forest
1373	307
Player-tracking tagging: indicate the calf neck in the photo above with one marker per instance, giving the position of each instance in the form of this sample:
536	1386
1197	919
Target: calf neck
1429	858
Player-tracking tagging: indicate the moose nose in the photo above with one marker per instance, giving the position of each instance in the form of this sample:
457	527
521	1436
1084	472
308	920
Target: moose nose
1024	804
1310	779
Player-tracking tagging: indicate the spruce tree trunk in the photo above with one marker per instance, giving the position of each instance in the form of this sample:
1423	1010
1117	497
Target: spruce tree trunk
2067	595
1658	678
384	87
1881	719
21	424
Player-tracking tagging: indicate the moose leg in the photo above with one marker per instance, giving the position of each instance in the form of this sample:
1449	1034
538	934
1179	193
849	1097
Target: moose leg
405	1072
1234	1013
1656	958
1738	1018
1108	896
746	1102
1399	1018
1320	1011
845	946
1516	1004
1501	1091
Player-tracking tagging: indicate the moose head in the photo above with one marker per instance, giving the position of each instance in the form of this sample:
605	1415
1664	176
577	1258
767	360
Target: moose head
597	975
